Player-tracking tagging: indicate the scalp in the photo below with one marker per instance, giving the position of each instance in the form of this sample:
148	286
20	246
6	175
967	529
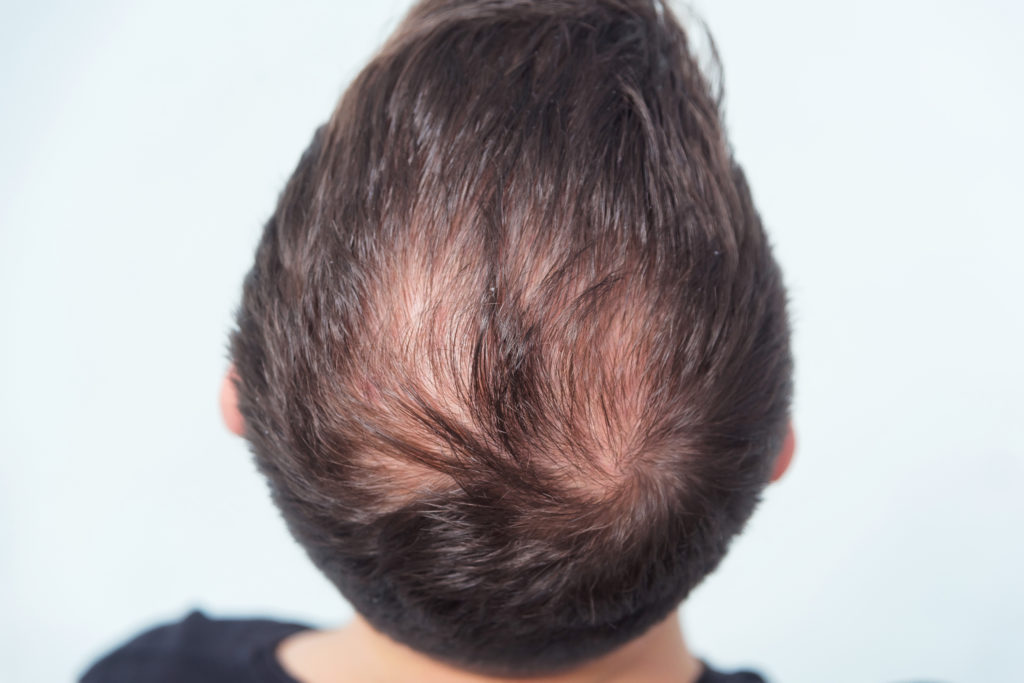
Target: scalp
514	351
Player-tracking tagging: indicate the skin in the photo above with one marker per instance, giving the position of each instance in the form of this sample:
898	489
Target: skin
357	653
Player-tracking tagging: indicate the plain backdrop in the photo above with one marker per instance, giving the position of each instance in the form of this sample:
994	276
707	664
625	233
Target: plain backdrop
143	145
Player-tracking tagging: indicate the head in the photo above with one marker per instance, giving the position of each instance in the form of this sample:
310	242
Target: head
514	354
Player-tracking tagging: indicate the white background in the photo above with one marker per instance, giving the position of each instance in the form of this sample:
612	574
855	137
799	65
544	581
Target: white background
143	145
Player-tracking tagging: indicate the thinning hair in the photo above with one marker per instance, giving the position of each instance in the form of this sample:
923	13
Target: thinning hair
514	352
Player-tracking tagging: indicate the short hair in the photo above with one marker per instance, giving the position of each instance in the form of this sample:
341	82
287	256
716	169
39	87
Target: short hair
514	352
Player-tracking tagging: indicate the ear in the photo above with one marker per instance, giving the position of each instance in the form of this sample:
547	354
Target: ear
785	456
229	403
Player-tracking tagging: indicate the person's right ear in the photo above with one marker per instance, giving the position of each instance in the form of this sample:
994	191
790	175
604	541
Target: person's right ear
229	403
785	456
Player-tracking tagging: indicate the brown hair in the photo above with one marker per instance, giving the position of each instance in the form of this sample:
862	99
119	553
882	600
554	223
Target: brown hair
514	353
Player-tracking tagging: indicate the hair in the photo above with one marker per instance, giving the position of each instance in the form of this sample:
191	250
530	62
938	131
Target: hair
514	352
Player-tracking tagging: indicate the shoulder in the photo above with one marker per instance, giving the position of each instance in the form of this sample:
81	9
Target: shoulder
197	649
710	675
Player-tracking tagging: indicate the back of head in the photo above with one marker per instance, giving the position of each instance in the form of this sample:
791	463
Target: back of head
514	353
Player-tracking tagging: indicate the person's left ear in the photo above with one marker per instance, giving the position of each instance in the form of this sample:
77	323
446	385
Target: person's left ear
229	403
785	456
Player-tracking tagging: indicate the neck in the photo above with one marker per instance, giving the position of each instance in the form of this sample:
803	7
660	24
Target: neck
357	652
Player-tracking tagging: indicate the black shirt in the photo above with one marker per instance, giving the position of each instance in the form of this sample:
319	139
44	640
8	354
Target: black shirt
202	650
